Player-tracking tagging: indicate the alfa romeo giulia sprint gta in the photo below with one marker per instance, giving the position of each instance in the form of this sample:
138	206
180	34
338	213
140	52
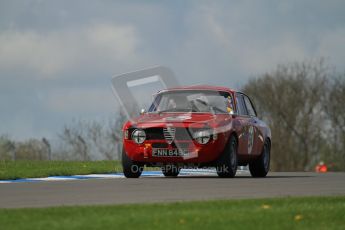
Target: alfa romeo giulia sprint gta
197	126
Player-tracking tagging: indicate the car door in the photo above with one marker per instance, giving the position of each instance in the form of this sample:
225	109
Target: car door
254	131
243	118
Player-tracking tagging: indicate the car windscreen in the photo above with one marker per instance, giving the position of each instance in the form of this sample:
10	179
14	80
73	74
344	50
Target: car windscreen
203	101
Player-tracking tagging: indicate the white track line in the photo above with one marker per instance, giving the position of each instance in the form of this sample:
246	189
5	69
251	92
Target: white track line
183	173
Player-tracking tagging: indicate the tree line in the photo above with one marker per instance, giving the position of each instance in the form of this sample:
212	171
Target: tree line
303	103
79	141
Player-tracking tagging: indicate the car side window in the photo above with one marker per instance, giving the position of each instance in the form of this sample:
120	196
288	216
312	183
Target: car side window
249	106
241	107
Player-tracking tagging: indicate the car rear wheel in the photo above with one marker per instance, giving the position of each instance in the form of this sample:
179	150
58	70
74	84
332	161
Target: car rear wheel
131	169
227	165
170	170
261	166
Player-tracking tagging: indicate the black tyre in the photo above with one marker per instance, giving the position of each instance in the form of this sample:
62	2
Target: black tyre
227	165
261	166
131	169
170	170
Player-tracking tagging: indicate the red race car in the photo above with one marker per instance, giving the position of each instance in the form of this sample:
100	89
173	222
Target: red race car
197	126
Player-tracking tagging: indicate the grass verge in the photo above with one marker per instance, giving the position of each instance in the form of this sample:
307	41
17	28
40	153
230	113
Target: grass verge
277	213
30	169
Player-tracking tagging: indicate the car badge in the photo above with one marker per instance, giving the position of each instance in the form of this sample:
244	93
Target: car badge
169	134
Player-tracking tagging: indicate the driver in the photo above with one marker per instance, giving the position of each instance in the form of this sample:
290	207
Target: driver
171	104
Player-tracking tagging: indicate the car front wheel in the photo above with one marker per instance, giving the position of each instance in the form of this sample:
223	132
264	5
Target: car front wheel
170	170
131	169
261	166
227	165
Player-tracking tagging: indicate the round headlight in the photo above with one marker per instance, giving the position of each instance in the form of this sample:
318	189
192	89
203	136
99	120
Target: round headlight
202	137
139	136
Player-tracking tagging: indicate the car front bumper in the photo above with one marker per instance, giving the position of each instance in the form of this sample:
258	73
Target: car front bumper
192	152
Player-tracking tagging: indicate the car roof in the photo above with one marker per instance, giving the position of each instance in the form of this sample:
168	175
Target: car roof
199	87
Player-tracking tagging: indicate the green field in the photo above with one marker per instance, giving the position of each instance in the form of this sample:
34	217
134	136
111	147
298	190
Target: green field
278	213
30	169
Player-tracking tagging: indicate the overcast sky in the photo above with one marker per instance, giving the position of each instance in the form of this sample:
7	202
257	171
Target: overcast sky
57	57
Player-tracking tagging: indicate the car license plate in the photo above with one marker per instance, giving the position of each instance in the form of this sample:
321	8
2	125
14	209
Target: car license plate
159	152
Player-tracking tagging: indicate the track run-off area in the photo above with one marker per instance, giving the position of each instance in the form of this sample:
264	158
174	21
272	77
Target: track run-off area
154	187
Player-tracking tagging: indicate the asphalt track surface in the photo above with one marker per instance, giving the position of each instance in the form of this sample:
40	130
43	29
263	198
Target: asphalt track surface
160	189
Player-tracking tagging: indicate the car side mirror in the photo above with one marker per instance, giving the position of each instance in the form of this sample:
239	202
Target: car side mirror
142	111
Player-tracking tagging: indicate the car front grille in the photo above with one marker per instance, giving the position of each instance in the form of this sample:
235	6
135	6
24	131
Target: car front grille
169	134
